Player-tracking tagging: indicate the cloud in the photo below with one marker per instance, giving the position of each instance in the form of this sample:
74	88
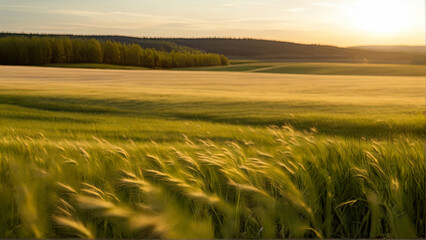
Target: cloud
324	4
21	7
248	4
126	22
295	10
135	21
75	12
229	4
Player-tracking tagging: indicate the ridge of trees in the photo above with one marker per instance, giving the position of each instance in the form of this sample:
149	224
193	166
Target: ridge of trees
35	50
155	43
256	49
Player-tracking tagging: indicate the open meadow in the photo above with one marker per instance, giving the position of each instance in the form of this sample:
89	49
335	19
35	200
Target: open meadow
280	67
318	68
96	153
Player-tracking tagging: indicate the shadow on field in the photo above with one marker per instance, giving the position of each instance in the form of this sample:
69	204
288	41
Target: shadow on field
55	104
339	120
28	117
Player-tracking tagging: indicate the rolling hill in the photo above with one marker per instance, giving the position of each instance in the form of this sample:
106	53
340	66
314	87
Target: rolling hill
266	49
158	44
276	50
409	49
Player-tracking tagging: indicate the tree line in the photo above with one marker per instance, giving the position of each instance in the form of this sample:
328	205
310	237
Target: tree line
17	50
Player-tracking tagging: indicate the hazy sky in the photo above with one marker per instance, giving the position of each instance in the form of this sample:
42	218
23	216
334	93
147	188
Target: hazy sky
336	22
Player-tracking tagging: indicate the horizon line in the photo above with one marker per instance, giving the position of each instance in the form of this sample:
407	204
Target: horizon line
213	37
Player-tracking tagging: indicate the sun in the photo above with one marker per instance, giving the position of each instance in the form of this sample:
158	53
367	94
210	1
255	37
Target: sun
379	16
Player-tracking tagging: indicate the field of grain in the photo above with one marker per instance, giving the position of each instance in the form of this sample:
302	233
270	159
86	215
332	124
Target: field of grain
191	154
280	67
319	68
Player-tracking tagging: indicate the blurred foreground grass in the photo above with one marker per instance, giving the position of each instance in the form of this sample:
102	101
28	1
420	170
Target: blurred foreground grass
130	154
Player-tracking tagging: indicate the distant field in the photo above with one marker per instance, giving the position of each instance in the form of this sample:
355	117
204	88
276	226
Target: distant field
321	68
190	154
95	66
287	68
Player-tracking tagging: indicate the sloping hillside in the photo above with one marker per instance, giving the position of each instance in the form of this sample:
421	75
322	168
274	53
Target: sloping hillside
275	50
158	44
265	49
410	49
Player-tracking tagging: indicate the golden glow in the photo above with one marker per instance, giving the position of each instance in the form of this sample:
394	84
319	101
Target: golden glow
329	22
379	16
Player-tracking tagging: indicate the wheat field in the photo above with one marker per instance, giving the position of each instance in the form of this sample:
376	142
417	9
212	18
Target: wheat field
186	154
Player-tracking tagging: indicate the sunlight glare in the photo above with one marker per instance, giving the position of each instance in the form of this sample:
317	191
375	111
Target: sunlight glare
379	16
